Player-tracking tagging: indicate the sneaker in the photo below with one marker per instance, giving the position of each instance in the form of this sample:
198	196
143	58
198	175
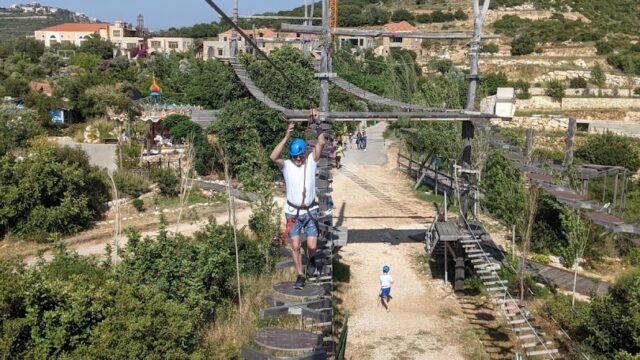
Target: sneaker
311	269
299	282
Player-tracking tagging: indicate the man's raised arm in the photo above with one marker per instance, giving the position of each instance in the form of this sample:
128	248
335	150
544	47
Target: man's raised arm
275	154
317	152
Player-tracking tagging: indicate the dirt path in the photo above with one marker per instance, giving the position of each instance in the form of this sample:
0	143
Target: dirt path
425	320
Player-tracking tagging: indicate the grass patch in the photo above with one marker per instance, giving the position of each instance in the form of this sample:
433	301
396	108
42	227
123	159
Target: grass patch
196	197
447	313
473	349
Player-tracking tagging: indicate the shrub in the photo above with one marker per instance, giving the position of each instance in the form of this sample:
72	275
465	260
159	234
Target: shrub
401	15
541	258
578	83
52	190
598	78
490	48
128	155
610	149
633	257
503	189
138	204
130	183
523	45
167	181
555	89
636	91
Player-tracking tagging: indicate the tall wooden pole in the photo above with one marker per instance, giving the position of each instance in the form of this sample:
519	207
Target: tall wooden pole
233	51
467	126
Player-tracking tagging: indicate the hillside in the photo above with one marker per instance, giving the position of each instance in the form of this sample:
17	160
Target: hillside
21	20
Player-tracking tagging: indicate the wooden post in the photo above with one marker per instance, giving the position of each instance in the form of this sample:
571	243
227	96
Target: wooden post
529	146
459	280
615	191
604	187
513	243
446	274
410	163
568	148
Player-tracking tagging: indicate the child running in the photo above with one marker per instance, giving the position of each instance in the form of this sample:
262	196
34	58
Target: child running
385	287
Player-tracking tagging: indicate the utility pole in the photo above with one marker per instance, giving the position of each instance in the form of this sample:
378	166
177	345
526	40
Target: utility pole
233	53
467	126
325	62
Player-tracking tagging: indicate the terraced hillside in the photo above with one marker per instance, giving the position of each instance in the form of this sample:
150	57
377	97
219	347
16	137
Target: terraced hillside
23	20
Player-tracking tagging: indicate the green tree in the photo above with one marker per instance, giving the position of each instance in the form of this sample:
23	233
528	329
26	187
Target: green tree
523	45
167	180
247	131
578	83
503	189
95	45
555	89
610	149
17	127
50	190
16	86
490	48
401	15
87	61
598	78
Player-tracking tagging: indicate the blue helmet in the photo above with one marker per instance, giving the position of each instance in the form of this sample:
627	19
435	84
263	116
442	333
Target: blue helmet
385	269
297	147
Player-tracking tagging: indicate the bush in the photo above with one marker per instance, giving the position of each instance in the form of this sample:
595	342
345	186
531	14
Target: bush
523	45
490	48
633	257
130	183
578	83
167	181
555	89
503	189
598	78
401	15
541	258
128	155
611	149
138	204
636	91
51	190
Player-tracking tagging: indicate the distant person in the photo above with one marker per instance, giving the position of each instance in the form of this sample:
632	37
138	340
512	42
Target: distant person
350	135
359	140
364	141
301	208
332	151
385	287
339	153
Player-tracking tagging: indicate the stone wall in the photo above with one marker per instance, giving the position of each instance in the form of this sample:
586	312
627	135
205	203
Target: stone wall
578	103
611	82
558	123
535	91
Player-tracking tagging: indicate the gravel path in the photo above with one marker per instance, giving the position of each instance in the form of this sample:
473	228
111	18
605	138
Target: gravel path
425	320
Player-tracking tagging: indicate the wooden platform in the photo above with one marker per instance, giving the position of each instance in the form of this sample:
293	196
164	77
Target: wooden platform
448	231
309	291
287	339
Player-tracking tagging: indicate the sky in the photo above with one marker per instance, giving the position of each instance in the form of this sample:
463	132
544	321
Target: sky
161	14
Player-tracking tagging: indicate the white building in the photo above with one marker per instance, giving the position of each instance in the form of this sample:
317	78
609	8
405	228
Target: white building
74	33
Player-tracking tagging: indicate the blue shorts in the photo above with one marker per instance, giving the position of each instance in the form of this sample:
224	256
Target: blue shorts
304	222
385	292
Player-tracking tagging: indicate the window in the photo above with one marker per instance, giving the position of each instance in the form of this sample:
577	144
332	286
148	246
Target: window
155	44
297	35
219	52
132	46
224	39
173	44
117	33
396	40
361	42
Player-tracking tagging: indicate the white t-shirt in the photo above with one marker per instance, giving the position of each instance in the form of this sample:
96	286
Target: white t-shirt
293	176
385	281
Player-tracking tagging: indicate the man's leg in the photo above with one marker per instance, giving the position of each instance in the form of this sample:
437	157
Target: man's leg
295	254
312	244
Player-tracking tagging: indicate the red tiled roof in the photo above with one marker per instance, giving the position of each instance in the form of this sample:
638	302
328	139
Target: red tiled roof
42	86
72	27
401	26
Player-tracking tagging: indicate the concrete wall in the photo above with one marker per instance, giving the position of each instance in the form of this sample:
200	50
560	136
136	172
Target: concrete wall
534	91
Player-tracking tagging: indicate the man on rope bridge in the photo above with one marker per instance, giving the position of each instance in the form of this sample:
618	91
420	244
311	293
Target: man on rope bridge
301	208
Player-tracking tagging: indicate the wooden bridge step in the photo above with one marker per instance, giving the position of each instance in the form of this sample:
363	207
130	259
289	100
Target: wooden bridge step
501	282
287	339
524	329
542	352
515	322
309	291
498	288
477	254
489	277
537	343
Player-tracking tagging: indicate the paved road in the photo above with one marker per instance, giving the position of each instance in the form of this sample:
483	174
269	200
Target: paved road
376	153
101	155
